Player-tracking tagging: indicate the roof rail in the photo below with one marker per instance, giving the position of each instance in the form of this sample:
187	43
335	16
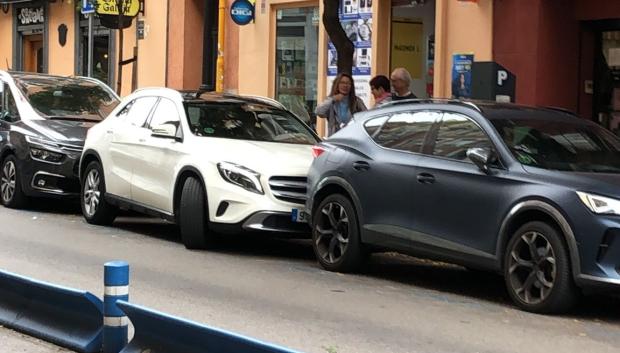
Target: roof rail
434	100
562	110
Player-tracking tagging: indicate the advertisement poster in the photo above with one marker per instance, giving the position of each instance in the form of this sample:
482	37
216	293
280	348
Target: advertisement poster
407	47
461	75
356	19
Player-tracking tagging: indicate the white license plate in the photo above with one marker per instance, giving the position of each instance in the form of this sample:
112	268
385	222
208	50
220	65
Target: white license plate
299	215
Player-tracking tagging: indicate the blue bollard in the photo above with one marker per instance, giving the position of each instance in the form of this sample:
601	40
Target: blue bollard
115	323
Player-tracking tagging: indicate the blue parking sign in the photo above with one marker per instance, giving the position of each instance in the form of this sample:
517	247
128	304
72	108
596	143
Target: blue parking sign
87	7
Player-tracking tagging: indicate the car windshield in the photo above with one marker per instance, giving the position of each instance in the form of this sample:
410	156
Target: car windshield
566	145
255	122
67	98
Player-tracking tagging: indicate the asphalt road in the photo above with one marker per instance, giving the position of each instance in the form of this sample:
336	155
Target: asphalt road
273	290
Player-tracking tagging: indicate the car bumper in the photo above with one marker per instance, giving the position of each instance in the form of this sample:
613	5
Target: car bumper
51	179
599	247
232	207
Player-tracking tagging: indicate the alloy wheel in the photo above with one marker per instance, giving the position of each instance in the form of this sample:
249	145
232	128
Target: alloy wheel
332	232
7	185
91	192
532	267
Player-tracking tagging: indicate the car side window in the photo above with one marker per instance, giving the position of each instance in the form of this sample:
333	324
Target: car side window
8	107
165	113
407	131
137	111
457	133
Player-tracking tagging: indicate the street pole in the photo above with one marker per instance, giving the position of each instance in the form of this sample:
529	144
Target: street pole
90	44
219	65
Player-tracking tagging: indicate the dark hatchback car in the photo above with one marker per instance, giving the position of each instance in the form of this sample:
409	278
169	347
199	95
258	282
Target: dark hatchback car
43	124
531	193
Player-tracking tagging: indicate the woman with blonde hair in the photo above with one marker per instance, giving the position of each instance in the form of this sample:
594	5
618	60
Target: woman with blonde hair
339	107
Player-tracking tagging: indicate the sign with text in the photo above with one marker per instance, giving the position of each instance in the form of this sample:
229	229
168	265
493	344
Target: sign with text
408	47
109	7
31	15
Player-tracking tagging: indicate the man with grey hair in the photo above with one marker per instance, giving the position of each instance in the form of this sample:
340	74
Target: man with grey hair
401	81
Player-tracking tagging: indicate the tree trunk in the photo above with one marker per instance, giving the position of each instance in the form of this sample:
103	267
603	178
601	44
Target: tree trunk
344	46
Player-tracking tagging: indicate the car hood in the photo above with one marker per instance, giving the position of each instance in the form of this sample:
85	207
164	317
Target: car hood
64	131
266	158
605	184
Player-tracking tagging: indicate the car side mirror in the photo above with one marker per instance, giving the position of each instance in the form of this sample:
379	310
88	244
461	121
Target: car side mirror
6	116
482	157
166	130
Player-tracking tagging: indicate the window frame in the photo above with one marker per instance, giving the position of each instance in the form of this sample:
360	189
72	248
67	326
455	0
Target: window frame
429	146
130	104
389	116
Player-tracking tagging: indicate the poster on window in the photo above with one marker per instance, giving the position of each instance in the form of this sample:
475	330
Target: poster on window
461	75
356	20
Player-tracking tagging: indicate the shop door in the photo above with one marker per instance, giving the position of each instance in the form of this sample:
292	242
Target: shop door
297	43
32	53
606	107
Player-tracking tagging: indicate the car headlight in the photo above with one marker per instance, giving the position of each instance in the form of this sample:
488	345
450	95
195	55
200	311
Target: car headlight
44	150
600	204
45	155
240	176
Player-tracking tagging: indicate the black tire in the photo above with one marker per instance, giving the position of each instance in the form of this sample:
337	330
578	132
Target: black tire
12	195
332	253
534	282
95	209
193	216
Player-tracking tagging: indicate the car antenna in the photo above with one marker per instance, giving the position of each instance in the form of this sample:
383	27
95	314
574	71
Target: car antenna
7	64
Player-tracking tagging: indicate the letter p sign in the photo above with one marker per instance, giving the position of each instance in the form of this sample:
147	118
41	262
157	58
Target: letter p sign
502	76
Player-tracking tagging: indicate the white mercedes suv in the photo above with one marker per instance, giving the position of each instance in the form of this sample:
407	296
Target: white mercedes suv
207	161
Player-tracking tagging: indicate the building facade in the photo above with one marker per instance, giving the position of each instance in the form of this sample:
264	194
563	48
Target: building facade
284	53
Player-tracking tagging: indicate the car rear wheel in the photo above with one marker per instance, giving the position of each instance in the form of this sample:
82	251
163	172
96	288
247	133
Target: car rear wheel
537	270
335	235
95	208
193	215
10	186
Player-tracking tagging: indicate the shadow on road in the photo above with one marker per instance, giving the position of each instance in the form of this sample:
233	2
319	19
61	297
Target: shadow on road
406	270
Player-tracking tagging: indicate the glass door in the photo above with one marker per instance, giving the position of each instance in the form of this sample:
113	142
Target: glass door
297	41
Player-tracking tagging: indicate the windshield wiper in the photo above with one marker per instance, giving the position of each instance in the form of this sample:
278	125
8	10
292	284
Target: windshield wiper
71	117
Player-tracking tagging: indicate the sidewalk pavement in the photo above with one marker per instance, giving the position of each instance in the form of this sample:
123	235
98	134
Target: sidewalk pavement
16	342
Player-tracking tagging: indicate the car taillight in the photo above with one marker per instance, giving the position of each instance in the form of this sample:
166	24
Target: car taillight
317	151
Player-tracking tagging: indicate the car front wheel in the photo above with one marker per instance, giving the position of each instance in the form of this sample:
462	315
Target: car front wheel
95	208
537	270
335	235
192	218
10	186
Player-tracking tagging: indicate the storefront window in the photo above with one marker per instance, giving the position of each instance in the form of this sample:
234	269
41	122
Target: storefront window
297	39
102	43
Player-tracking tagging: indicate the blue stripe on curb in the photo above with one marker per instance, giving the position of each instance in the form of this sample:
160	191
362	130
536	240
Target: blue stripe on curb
67	317
156	332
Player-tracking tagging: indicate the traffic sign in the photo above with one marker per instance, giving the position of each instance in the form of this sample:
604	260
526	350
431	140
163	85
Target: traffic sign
87	7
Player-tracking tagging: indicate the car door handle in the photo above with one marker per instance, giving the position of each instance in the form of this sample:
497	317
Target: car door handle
109	131
141	140
426	178
361	166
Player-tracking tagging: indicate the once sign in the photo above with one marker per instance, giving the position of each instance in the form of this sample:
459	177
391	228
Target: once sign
108	7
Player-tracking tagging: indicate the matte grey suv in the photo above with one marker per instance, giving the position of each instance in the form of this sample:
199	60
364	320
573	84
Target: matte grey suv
531	193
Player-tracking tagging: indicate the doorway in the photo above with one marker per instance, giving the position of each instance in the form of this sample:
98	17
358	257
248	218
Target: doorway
413	43
32	53
606	102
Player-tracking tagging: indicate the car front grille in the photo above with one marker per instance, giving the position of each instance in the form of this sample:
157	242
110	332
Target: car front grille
289	189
